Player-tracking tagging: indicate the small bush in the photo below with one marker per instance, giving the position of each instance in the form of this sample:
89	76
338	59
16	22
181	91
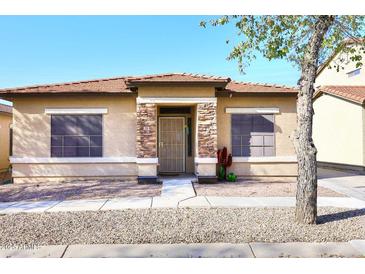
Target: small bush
231	177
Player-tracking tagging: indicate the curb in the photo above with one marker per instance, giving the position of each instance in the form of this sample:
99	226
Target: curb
359	245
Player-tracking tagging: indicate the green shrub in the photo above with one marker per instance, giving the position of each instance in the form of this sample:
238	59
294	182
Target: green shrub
231	177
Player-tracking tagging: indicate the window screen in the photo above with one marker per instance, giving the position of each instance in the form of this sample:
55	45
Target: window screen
253	135
76	136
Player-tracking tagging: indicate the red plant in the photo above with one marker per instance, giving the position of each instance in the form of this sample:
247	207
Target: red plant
224	160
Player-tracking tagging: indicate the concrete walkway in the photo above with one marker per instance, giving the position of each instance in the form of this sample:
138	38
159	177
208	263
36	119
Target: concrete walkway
216	250
179	192
350	184
176	192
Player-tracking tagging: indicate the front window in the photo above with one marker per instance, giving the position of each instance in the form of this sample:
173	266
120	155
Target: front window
354	73
253	135
76	136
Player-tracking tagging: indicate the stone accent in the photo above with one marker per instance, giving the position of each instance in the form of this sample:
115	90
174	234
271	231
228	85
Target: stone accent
207	130
146	130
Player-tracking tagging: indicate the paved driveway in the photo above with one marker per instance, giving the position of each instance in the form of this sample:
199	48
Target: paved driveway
350	184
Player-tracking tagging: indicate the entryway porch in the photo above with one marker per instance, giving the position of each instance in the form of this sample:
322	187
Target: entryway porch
176	136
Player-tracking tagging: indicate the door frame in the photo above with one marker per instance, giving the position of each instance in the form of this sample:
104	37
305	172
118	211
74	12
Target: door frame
184	140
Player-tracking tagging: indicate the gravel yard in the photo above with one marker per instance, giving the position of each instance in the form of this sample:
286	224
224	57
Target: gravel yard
230	225
257	187
77	189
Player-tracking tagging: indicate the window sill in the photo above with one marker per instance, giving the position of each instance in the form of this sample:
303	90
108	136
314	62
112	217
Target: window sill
268	159
70	160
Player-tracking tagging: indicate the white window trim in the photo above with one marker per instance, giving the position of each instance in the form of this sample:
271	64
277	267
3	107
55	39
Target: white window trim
237	110
205	160
76	111
70	160
266	159
177	100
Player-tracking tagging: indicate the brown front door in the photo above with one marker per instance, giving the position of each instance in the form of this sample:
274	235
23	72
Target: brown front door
171	144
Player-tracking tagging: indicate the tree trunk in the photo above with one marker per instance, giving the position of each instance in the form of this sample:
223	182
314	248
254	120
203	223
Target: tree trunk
306	198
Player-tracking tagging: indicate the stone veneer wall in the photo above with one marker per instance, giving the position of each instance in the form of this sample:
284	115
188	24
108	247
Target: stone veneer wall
146	130
207	130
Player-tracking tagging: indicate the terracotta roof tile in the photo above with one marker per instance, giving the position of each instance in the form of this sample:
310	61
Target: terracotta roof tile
178	77
123	84
5	108
249	87
108	85
352	93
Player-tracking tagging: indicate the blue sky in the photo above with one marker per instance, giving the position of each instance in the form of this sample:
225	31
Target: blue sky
46	49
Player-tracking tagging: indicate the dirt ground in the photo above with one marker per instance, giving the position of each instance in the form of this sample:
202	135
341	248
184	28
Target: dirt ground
256	187
77	189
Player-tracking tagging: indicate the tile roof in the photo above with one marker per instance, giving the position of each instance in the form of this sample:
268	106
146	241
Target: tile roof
107	85
125	84
5	108
352	93
179	77
248	87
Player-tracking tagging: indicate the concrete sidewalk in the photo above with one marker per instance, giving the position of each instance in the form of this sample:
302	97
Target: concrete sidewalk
170	202
350	184
217	250
179	192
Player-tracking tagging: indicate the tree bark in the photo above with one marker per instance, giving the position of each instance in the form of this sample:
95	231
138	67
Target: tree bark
306	197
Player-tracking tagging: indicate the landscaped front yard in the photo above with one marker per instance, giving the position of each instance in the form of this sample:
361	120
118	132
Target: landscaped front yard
257	187
213	225
77	189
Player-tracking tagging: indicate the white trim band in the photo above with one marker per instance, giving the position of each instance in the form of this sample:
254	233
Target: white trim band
176	100
71	160
205	160
252	110
147	160
76	110
267	159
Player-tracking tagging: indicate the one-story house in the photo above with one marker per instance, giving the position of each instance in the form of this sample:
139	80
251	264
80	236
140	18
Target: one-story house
5	131
156	124
339	113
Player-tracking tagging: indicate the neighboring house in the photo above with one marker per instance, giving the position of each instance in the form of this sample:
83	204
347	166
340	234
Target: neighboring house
5	122
146	126
339	114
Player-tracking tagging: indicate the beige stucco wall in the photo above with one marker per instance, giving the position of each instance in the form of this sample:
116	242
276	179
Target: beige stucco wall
5	121
338	130
264	169
285	124
285	121
74	170
32	126
176	91
332	77
32	133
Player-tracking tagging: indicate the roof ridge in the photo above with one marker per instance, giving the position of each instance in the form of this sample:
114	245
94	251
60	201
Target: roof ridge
195	75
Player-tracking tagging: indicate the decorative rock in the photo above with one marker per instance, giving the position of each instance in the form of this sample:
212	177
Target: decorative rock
146	131
207	130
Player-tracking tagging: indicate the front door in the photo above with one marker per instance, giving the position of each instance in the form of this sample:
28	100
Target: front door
171	144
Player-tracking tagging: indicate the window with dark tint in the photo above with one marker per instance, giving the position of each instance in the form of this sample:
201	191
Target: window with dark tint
76	136
253	135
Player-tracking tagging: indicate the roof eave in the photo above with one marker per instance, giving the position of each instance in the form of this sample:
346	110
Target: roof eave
4	94
227	93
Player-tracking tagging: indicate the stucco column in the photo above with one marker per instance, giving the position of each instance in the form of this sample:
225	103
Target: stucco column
207	141
146	142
